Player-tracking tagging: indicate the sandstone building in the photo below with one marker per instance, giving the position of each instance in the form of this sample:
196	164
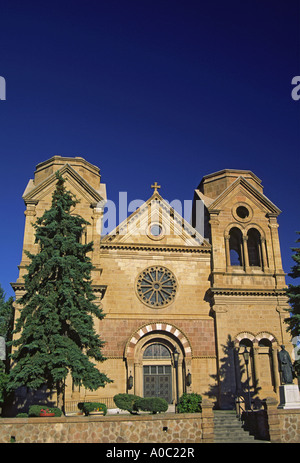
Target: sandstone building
205	290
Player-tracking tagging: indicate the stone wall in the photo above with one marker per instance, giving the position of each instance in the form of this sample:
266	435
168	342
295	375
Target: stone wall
290	426
167	428
284	424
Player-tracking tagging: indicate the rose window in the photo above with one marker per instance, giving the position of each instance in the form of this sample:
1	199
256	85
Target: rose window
156	286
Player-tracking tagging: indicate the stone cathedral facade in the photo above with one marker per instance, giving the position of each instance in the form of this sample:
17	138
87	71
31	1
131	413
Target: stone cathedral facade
205	290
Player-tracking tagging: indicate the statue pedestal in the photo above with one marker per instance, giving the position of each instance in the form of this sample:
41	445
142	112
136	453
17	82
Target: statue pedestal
289	396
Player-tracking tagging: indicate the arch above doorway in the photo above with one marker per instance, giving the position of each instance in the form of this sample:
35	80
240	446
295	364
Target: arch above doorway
164	374
162	327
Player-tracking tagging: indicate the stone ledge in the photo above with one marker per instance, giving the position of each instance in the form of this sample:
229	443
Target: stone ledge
162	428
82	418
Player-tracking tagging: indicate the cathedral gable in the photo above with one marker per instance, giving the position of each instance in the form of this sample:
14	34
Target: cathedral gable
241	190
156	223
78	184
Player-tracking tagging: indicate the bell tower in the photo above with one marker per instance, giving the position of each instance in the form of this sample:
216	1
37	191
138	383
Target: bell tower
84	181
247	292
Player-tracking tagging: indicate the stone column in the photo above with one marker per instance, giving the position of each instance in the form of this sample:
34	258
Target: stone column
256	365
275	366
245	253
278	271
263	253
214	223
188	366
137	379
207	422
29	238
273	420
180	378
96	238
237	370
227	251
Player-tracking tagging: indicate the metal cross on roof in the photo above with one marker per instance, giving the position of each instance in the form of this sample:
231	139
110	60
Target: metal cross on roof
155	186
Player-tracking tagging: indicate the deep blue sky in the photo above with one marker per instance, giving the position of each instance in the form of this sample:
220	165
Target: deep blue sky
160	90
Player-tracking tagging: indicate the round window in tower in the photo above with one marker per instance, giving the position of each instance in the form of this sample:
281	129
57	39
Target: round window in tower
242	212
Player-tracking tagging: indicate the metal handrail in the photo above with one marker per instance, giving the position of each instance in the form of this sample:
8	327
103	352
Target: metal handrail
240	406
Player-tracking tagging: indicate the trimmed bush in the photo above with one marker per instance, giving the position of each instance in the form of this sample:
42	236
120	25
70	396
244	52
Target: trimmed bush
35	410
153	404
89	407
127	402
189	403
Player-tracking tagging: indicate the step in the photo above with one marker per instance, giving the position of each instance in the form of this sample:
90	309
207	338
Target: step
228	423
239	441
225	433
229	429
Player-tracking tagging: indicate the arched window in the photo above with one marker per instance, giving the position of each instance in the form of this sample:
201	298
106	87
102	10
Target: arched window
235	247
265	343
254	247
246	343
156	351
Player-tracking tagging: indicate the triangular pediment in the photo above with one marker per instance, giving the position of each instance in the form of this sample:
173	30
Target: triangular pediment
80	186
241	185
155	222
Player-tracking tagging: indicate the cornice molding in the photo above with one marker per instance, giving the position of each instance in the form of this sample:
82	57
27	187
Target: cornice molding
97	289
247	292
18	286
155	247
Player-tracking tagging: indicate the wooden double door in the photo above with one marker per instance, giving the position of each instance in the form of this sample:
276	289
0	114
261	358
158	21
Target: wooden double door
158	381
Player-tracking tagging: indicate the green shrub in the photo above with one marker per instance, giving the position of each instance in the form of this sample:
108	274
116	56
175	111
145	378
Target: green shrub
153	404
189	403
22	415
127	402
89	407
35	410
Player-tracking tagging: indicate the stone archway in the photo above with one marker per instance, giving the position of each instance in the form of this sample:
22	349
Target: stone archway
263	364
141	367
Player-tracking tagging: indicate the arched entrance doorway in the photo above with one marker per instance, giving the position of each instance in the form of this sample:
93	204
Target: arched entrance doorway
150	361
157	371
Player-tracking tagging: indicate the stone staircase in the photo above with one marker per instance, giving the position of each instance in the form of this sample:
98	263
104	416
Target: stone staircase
229	429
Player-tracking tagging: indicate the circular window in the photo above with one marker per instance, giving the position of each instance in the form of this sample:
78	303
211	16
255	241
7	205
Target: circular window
156	286
155	229
242	212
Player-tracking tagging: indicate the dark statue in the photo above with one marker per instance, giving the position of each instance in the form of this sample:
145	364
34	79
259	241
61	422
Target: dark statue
285	366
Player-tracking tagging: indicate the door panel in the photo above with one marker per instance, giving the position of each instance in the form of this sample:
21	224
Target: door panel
158	382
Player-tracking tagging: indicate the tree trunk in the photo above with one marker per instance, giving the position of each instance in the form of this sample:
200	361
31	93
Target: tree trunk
60	390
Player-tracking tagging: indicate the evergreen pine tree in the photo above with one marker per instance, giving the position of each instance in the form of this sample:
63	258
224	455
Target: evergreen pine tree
56	323
6	315
6	327
293	293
